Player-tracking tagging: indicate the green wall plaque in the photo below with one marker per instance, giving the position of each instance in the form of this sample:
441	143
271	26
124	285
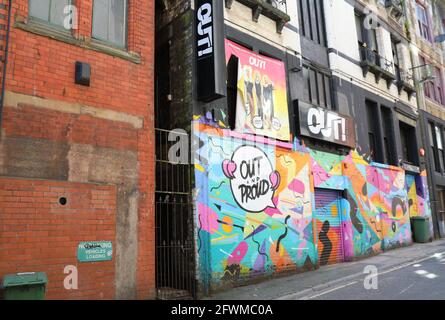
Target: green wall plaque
95	251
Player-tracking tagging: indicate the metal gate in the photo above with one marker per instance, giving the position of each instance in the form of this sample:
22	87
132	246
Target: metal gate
175	267
329	227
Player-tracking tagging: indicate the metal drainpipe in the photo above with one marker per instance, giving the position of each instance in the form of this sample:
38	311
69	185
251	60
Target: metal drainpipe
5	64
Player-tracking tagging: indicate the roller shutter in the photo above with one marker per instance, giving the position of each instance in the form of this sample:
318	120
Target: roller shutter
329	227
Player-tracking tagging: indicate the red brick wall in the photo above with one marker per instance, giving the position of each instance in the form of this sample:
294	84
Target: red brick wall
28	121
43	67
37	233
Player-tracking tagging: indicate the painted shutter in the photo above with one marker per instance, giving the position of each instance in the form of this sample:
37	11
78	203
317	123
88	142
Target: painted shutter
329	227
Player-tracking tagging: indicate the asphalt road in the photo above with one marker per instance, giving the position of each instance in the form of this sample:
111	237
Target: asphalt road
424	280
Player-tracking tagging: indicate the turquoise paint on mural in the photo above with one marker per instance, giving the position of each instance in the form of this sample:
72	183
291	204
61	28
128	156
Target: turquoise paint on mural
243	244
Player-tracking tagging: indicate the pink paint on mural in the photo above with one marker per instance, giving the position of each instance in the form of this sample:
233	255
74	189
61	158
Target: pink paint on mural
297	186
238	254
208	218
320	175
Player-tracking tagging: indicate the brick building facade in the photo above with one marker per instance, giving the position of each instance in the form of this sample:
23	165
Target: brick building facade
76	161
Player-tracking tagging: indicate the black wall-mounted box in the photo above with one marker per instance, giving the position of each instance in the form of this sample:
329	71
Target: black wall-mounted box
83	73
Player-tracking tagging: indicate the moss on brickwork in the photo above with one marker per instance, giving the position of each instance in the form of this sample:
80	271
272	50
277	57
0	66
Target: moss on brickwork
176	29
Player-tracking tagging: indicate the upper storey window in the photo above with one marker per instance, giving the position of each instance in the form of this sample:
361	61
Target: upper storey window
110	21
311	18
49	11
423	22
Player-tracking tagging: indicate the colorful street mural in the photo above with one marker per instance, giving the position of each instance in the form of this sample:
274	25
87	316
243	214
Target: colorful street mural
255	206
418	196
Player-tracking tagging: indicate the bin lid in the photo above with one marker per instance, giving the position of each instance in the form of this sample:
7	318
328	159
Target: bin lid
420	218
25	278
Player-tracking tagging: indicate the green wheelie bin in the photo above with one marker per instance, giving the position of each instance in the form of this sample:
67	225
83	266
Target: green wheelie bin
24	286
421	229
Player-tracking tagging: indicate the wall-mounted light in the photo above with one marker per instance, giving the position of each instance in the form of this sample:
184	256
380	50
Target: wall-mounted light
422	152
83	73
295	64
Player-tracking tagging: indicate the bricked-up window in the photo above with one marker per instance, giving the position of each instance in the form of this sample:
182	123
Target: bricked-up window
110	21
49	11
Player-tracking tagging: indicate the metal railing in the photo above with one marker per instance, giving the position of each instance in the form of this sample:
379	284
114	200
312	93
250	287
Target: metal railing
175	254
278	4
376	60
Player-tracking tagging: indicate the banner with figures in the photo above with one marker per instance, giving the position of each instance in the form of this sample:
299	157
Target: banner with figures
262	106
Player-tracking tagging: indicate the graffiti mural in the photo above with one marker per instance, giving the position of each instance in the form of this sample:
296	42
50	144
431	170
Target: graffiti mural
256	206
253	207
418	196
253	181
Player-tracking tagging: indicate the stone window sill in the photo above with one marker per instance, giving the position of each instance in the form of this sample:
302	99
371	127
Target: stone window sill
62	35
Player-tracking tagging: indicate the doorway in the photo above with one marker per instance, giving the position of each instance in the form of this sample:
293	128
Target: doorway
174	240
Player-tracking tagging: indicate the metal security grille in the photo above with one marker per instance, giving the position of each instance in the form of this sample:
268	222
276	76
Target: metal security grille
329	227
175	268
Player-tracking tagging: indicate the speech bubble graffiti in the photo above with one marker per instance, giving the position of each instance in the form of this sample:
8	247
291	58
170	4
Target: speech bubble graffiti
252	179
